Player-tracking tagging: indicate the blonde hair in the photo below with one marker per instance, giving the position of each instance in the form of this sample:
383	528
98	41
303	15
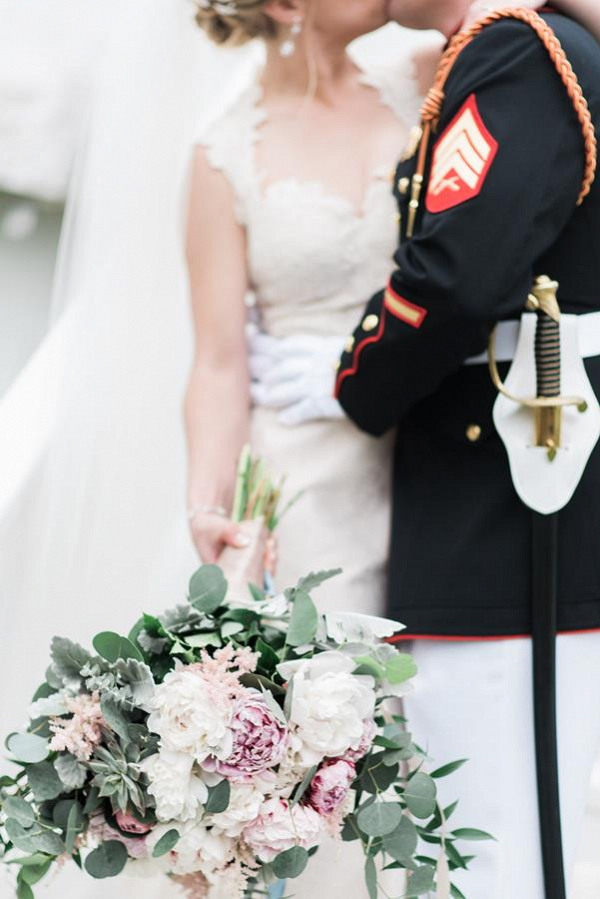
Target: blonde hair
234	22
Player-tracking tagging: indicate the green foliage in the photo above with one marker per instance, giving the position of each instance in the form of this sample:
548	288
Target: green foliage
420	794
304	621
208	589
113	646
445	770
291	863
371	877
380	818
401	843
420	882
316	578
28	748
17	808
218	798
71	772
44	781
68	659
167	842
108	860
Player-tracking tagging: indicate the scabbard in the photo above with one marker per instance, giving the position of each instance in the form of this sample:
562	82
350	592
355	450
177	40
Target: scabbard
544	626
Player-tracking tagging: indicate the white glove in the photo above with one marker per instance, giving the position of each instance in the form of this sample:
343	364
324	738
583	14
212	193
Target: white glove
296	375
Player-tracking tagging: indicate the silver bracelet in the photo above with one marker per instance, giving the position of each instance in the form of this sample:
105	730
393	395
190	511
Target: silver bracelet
206	510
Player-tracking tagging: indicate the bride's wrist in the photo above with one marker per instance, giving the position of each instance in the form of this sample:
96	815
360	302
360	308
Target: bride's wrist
195	509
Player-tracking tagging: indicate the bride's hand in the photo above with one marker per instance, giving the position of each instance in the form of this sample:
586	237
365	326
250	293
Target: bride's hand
248	565
211	533
482	8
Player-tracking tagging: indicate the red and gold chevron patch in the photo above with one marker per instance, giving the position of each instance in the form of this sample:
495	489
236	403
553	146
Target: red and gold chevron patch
462	159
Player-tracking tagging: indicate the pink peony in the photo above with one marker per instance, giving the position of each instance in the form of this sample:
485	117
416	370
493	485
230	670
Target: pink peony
130	824
101	830
330	786
279	827
259	739
365	743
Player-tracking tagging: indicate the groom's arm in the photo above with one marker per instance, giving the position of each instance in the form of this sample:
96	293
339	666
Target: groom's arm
506	114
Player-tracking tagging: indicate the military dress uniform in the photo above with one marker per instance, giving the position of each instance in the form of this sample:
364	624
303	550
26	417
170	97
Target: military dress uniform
498	207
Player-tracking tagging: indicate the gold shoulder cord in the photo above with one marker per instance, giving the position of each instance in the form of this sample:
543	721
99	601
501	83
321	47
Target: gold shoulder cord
432	107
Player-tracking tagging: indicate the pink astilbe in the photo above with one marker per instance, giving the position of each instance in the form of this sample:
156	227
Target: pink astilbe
222	671
80	734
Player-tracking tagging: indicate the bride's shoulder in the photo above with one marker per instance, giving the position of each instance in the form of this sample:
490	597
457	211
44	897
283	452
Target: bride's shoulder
403	77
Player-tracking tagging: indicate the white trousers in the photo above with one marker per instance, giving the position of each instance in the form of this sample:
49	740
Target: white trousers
474	700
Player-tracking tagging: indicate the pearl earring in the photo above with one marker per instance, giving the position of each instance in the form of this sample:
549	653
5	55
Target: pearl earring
288	46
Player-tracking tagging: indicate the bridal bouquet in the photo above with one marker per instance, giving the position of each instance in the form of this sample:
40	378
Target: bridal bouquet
219	743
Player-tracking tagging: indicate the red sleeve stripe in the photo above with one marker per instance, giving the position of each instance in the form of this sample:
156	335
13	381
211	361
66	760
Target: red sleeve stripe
348	372
407	312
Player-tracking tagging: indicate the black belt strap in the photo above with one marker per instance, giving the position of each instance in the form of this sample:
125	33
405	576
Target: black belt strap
544	626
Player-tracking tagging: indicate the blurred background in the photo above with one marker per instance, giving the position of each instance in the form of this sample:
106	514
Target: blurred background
49	53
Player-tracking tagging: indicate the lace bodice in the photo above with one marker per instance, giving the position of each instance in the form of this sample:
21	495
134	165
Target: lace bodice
313	259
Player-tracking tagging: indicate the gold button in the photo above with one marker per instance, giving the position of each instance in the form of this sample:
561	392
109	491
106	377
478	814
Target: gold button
370	322
473	433
337	365
349	345
392	175
397	218
403	185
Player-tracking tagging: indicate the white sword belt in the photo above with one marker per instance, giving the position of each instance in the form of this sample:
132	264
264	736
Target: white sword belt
507	335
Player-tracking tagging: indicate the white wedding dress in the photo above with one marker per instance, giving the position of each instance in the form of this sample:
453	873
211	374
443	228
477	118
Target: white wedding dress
314	260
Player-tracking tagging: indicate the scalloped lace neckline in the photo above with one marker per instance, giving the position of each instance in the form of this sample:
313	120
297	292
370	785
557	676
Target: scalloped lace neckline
316	187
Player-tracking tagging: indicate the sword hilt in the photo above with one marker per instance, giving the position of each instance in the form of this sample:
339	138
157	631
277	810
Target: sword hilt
548	419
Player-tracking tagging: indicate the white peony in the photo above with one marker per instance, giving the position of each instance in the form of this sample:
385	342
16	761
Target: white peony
198	849
187	717
244	805
177	791
329	705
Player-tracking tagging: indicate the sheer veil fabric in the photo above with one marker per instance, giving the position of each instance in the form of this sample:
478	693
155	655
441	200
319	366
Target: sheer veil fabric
92	456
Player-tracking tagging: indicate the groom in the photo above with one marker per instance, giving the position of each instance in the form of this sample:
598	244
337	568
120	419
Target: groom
489	200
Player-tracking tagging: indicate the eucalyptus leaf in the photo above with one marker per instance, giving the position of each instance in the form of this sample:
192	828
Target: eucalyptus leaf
113	646
376	776
166	843
291	863
44	781
420	794
28	748
108	860
16	807
75	825
304	621
401	844
371	877
379	818
18	835
218	798
208	589
420	882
